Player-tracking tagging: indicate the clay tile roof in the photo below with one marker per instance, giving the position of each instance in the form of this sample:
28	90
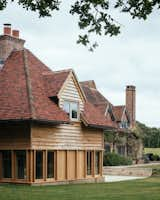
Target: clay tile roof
93	95
22	90
54	81
118	112
93	117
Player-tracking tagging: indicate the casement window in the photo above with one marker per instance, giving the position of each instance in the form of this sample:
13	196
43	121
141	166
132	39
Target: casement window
50	164
124	124
39	164
89	163
72	109
97	162
6	164
21	164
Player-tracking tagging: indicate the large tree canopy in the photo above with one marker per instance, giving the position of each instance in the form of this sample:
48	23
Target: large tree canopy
94	15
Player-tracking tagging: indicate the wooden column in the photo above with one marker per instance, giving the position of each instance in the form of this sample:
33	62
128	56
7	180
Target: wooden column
101	163
85	164
55	165
45	165
76	164
93	163
27	166
0	165
34	165
66	167
13	163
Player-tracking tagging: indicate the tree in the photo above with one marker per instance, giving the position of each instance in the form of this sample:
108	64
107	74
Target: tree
94	15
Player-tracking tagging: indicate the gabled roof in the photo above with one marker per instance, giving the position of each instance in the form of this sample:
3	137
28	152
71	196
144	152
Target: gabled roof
54	81
95	118
118	112
22	92
93	95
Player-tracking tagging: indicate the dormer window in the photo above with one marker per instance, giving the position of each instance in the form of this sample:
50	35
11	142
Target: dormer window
72	109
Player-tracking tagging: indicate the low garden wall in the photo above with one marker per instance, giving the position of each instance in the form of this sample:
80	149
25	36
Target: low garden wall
127	171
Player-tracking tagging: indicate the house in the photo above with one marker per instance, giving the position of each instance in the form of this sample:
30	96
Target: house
121	140
49	131
51	125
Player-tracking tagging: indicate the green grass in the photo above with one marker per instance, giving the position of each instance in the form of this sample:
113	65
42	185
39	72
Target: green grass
147	189
152	150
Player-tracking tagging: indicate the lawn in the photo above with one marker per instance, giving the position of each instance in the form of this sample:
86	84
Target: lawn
152	150
147	189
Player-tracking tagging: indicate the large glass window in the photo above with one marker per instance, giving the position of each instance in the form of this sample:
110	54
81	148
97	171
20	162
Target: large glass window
39	164
21	164
97	162
6	164
50	164
89	162
71	108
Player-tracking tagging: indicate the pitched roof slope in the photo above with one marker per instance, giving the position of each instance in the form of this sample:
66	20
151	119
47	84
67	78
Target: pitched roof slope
22	91
93	95
118	112
93	117
54	81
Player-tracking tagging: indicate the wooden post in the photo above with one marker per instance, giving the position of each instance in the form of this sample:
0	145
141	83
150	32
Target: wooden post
85	164
101	163
93	163
76	165
13	163
34	165
0	165
55	165
67	161
45	165
27	166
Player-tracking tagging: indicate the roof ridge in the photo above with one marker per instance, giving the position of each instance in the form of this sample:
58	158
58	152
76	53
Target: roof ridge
64	70
28	84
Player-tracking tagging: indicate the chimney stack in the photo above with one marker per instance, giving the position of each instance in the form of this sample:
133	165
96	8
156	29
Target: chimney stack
7	29
15	33
131	103
9	42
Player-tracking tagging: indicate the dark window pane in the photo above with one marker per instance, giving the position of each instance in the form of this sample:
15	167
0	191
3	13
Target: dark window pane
89	162
121	149
6	164
50	164
66	107
21	164
39	164
74	110
97	161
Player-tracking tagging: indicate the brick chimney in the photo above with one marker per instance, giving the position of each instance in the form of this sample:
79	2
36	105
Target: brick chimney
9	41
131	103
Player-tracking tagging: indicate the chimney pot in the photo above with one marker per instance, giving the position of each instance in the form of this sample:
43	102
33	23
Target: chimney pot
15	33
7	29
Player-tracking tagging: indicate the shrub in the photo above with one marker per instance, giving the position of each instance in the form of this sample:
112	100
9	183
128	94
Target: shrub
156	172
113	159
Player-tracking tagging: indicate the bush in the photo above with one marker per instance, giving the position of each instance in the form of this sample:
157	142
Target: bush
152	157
113	159
156	172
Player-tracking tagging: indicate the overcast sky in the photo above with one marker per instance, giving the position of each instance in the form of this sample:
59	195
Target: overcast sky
133	57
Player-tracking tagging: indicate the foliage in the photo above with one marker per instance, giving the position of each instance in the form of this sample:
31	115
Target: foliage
151	137
156	172
94	15
113	159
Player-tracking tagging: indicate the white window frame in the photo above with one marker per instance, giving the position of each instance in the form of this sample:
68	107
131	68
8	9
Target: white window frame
70	110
